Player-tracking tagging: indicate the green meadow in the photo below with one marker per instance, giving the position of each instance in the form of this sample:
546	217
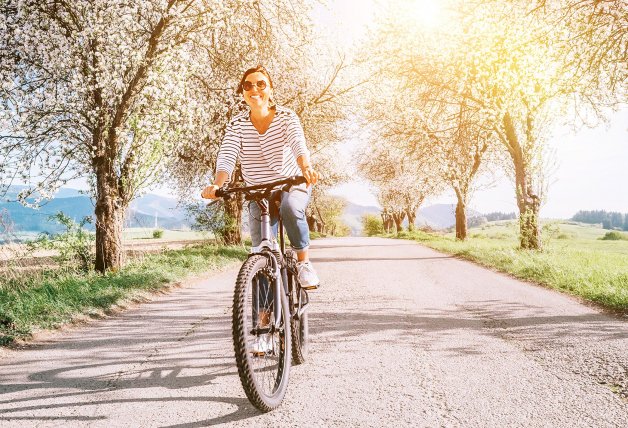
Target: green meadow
574	259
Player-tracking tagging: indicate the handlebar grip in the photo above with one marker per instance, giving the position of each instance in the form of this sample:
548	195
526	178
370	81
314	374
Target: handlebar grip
221	193
299	179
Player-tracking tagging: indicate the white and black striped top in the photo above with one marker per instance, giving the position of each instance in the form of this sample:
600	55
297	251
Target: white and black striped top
264	157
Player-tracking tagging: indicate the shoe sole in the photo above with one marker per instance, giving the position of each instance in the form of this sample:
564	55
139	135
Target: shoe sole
311	287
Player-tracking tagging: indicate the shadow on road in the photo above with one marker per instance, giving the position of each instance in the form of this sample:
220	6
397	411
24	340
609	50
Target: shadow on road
123	362
371	259
494	318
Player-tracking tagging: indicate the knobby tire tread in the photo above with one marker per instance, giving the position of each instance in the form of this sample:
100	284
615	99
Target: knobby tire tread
299	352
245	372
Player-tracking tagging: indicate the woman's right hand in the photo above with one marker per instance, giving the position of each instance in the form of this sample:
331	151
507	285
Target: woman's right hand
209	192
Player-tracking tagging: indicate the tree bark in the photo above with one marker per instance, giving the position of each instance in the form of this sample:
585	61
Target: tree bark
386	221
528	202
461	214
232	233
411	214
109	211
461	220
398	217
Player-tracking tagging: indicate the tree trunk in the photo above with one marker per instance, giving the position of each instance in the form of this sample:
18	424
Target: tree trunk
398	218
461	218
386	221
232	233
411	218
528	202
312	222
109	211
322	226
529	231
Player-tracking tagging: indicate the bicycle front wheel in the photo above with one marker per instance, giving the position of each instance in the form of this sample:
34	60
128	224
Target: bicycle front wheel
262	349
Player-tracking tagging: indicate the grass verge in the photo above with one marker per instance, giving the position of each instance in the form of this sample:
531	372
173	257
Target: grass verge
49	299
596	271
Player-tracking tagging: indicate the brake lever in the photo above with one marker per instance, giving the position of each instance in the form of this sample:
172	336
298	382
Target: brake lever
222	193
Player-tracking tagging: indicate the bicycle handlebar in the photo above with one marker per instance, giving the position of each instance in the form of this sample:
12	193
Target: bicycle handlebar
288	182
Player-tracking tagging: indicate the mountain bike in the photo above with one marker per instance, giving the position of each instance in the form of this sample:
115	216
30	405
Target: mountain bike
270	321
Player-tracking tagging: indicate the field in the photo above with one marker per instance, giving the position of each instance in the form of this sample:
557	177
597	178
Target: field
574	259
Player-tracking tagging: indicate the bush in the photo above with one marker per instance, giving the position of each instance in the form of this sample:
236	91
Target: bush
212	217
614	236
372	225
158	233
73	245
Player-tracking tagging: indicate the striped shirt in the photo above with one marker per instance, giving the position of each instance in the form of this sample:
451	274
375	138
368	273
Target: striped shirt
264	157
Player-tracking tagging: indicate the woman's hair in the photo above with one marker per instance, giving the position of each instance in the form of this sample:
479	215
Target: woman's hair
258	69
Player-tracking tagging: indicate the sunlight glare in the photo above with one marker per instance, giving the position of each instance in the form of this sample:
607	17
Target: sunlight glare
427	14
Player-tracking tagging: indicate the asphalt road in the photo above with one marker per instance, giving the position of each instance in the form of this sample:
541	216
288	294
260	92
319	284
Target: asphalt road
400	336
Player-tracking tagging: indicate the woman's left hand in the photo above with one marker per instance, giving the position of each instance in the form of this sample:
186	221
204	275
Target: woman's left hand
310	174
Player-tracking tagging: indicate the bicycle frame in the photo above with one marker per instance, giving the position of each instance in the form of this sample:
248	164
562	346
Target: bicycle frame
269	247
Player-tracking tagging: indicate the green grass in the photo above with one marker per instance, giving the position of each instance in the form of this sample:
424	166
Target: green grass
574	259
50	299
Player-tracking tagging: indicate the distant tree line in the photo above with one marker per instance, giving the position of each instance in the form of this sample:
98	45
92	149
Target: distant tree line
609	219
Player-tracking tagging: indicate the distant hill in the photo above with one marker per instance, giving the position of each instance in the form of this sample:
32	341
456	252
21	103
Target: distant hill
146	211
64	192
439	216
156	211
37	220
352	216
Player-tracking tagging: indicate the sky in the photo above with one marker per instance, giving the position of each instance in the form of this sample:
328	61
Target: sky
590	173
590	168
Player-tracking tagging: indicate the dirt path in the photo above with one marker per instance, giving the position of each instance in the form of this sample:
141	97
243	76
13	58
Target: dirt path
401	336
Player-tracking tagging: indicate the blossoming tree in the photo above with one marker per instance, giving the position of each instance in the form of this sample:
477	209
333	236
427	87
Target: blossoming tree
110	90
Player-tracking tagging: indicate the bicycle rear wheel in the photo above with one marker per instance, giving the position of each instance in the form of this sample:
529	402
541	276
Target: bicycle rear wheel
299	326
261	349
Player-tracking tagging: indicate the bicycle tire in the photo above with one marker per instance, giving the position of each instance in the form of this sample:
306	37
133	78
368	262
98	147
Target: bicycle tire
264	376
300	334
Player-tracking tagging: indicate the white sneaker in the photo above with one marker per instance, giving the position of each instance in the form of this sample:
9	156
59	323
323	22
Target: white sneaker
263	345
307	276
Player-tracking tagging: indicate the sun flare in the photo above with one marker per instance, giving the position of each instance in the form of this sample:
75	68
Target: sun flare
427	14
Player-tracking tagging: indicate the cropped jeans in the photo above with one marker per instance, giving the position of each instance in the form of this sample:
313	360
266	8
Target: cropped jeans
293	205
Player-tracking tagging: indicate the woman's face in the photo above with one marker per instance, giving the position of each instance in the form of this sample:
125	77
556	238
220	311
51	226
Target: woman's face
255	96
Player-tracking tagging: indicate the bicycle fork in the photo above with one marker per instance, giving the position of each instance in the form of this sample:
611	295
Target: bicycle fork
269	248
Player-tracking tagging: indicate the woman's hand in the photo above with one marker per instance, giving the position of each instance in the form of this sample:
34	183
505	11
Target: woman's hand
209	192
310	174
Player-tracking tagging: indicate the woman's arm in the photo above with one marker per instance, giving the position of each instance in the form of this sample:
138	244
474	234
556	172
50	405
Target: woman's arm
310	174
227	157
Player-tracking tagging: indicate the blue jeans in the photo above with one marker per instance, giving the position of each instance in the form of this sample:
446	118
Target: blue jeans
293	204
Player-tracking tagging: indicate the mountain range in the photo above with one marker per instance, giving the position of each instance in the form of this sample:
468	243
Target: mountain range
154	211
146	211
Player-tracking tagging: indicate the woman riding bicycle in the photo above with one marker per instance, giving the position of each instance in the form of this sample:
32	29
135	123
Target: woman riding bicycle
269	141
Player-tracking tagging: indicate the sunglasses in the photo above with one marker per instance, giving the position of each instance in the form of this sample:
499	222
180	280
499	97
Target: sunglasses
261	85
